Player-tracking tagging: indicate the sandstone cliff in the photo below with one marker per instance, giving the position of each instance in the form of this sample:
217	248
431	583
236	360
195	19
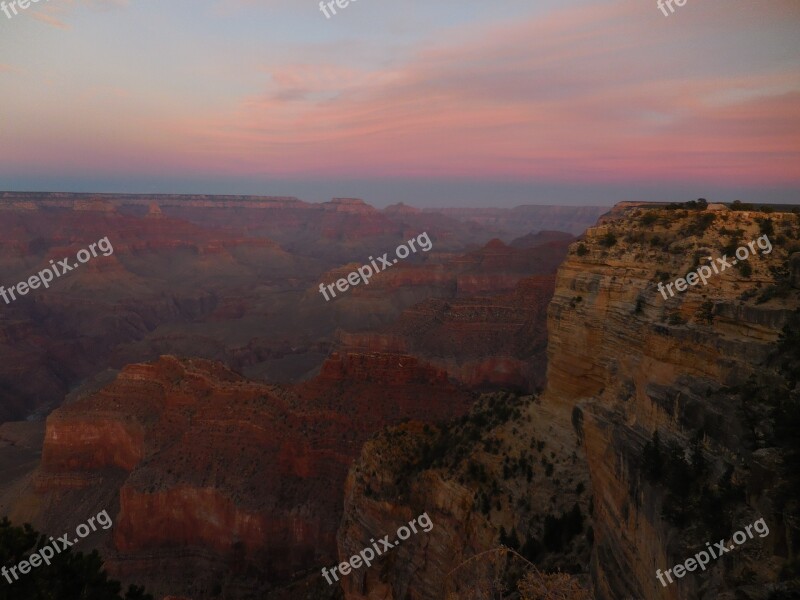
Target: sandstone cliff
626	363
708	376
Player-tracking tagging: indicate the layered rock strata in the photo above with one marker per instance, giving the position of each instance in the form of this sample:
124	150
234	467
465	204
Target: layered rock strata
226	475
624	364
484	342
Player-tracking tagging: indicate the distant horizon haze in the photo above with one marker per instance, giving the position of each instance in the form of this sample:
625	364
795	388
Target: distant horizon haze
437	194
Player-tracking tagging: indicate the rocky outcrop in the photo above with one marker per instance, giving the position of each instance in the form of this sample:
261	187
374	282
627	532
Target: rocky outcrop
623	364
354	206
93	443
401	209
420	564
242	473
485	480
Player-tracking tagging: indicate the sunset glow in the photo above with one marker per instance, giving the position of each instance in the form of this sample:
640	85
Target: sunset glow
129	96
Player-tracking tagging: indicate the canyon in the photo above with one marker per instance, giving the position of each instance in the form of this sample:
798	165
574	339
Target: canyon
198	275
212	401
627	373
532	392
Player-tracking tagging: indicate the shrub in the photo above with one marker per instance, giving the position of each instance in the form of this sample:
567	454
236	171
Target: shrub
699	204
782	285
744	268
582	250
649	218
766	226
734	241
68	576
548	586
748	294
676	319
706	312
662	276
608	240
702	223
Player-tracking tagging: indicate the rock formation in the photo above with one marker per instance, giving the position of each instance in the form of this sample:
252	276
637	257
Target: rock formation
218	471
708	376
484	342
625	363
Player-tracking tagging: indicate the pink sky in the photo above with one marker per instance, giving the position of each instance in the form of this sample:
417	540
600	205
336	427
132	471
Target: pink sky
102	95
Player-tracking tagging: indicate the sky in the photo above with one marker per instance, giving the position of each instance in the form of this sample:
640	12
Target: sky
429	102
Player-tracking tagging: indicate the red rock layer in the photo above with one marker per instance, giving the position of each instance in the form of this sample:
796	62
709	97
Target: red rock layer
183	262
497	341
163	272
232	467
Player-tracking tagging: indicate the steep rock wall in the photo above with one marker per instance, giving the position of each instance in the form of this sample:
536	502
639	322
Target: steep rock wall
624	362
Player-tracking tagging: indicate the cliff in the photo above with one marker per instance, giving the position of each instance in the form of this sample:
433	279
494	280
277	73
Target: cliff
496	476
625	363
481	315
677	417
494	341
223	474
165	275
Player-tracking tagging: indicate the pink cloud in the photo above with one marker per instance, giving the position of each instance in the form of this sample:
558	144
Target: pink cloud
567	97
600	93
50	20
